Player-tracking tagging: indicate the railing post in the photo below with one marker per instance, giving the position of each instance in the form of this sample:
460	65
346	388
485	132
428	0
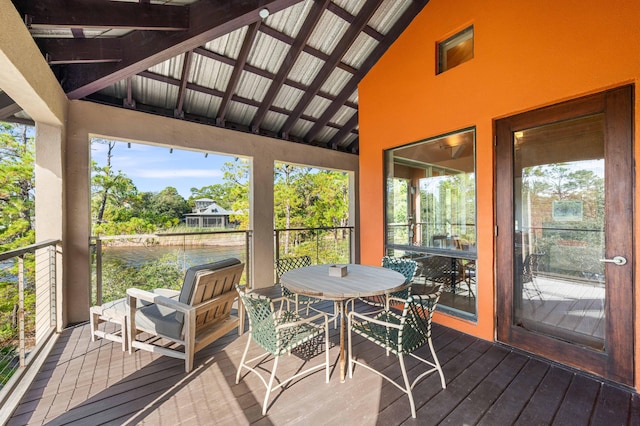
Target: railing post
52	285
98	271
21	347
277	248
351	245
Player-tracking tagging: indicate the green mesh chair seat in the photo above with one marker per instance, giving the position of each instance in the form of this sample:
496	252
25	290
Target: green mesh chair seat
406	267
278	332
401	334
286	264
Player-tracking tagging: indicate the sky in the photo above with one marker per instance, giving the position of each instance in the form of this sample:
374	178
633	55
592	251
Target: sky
153	168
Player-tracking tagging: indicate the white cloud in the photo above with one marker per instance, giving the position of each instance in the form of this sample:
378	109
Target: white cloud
177	173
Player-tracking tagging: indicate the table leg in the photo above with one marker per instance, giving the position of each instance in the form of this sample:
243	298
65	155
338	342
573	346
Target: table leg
342	327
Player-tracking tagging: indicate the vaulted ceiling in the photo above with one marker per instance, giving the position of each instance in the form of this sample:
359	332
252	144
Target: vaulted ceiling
285	68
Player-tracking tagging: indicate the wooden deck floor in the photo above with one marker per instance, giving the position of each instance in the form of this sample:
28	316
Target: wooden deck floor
89	383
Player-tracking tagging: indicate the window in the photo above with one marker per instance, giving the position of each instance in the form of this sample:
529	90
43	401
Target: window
455	50
431	214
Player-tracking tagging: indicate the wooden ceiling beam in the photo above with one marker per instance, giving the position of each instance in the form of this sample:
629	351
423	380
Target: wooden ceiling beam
266	74
312	19
342	13
103	14
341	48
239	65
80	50
307	49
352	85
186	67
208	20
7	106
341	134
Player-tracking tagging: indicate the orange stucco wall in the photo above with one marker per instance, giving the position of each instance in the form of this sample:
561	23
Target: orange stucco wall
527	55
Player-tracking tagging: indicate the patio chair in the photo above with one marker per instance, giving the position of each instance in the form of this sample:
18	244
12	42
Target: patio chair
406	267
278	332
200	315
286	264
402	334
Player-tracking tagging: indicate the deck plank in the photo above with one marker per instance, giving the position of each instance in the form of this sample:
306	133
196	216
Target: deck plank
84	382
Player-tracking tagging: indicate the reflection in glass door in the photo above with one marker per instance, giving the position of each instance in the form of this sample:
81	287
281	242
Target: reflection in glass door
564	245
559	202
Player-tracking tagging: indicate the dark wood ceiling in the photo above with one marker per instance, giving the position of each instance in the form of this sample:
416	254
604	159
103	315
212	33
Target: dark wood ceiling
292	75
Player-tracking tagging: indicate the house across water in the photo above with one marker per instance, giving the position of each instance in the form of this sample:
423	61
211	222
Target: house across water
208	214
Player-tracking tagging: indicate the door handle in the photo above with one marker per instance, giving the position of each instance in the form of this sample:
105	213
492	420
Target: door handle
618	260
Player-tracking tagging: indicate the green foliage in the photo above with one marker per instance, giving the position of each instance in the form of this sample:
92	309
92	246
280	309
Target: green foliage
17	183
118	276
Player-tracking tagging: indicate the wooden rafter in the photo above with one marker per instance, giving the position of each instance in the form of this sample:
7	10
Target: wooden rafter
81	50
186	67
208	19
341	48
247	43
103	14
293	53
341	134
7	106
376	54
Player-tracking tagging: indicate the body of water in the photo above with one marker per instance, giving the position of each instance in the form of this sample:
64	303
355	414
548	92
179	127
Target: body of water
186	255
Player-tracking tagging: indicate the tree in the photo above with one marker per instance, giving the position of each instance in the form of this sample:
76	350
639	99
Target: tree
17	186
164	208
111	191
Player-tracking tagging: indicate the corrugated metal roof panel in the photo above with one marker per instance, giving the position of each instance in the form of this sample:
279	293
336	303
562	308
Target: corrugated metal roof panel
354	97
267	53
351	6
229	44
240	113
212	74
273	121
170	68
359	50
301	127
290	20
316	107
288	97
305	69
328	32
343	115
252	86
326	134
158	94
348	140
201	104
387	15
336	81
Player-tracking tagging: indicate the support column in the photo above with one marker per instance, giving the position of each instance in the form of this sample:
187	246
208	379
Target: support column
49	221
261	208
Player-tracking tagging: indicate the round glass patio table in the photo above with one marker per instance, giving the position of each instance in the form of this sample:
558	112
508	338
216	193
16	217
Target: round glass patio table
360	281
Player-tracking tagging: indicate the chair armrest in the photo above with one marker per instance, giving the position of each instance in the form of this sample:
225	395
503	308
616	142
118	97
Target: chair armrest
365	318
425	297
135	293
305	320
397	299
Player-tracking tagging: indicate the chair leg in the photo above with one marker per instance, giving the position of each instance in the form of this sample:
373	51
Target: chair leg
270	385
437	364
350	350
326	349
244	356
407	385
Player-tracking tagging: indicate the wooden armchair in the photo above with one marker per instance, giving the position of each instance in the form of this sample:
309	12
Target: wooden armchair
200	315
